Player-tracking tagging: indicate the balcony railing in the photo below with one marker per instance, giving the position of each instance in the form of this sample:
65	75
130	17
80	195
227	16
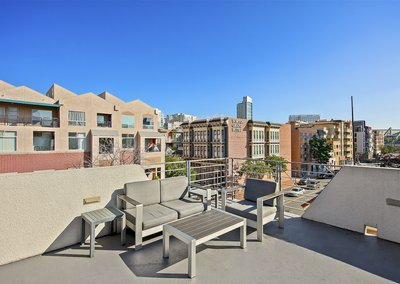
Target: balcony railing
30	121
217	173
104	124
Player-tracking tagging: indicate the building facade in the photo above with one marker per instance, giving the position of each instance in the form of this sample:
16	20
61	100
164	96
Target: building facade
230	137
338	133
304	117
244	110
363	141
62	130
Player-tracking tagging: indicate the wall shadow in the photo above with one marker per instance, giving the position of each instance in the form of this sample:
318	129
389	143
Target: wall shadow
377	256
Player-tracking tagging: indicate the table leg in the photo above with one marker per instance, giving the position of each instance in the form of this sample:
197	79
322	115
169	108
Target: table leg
92	239
83	231
165	244
243	235
192	258
123	230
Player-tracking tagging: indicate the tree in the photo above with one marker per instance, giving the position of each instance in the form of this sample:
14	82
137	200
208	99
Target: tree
176	166
320	149
389	150
272	161
256	169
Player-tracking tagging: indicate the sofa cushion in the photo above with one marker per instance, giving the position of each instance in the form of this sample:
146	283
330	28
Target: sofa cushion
153	215
185	207
146	192
248	209
256	188
173	188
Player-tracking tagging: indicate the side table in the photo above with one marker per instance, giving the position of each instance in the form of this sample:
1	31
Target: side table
100	216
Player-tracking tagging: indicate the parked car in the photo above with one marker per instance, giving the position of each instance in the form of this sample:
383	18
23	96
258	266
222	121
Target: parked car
295	191
302	181
326	175
330	175
312	184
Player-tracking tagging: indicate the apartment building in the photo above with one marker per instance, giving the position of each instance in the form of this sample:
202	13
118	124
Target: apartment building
363	140
304	117
62	130
378	140
230	137
337	132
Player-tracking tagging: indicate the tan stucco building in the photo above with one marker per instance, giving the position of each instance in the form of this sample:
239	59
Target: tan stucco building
60	130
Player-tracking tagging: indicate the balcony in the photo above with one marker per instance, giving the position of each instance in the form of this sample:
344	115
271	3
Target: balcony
104	120
29	121
312	249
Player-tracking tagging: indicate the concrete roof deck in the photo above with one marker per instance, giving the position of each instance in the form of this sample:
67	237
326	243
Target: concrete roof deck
304	252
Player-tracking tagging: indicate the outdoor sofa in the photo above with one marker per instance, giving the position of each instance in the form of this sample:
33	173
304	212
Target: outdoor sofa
148	205
263	202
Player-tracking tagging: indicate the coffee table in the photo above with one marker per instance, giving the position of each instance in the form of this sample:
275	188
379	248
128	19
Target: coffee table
201	228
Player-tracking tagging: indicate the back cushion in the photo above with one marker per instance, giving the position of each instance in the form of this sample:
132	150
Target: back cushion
146	192
256	188
174	188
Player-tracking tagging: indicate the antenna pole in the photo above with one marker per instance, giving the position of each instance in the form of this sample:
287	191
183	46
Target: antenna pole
352	130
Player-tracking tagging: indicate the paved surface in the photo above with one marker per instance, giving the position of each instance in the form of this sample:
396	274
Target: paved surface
304	252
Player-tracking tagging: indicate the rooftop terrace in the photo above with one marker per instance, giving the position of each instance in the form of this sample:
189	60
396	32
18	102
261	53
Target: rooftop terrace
304	252
43	226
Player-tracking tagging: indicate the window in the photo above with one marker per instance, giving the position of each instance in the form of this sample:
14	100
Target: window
8	141
104	120
12	115
148	123
152	144
128	141
106	145
42	117
77	141
76	118
43	141
2	114
128	121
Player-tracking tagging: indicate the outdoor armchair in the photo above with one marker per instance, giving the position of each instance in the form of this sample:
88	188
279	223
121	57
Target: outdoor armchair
262	203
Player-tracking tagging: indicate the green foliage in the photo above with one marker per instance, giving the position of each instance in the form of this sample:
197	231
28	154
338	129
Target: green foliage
389	149
271	161
255	169
320	149
177	169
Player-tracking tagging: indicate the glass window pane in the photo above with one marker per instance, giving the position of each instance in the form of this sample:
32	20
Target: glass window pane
128	121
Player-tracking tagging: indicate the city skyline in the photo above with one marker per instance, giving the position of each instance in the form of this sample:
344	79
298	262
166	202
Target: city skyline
302	57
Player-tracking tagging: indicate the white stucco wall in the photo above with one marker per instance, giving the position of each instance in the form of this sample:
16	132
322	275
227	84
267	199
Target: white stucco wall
357	197
40	211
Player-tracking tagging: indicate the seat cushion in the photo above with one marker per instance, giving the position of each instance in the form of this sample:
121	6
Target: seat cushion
185	207
256	188
248	209
173	188
146	192
153	215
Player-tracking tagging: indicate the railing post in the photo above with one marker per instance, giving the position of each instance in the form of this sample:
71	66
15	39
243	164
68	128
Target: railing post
188	171
233	173
279	174
226	171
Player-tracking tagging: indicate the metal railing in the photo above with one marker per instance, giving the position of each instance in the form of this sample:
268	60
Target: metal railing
29	121
217	173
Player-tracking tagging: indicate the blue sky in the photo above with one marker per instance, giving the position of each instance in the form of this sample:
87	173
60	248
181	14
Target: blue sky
202	57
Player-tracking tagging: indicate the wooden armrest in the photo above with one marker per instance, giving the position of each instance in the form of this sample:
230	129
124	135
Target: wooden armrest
129	200
271	196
